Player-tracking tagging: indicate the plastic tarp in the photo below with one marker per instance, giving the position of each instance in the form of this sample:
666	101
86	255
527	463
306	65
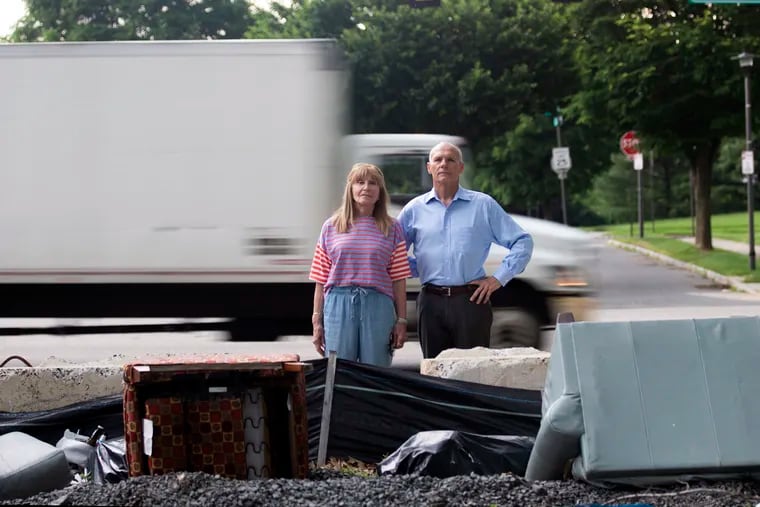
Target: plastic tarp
652	401
374	411
446	453
51	425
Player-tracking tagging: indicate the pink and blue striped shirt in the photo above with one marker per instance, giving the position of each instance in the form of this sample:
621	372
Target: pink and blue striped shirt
362	256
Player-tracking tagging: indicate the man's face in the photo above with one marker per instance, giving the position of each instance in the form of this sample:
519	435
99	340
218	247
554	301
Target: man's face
445	165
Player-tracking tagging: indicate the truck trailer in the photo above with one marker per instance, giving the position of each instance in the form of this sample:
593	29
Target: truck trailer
190	179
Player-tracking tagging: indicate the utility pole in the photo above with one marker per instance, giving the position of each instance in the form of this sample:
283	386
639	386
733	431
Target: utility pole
651	186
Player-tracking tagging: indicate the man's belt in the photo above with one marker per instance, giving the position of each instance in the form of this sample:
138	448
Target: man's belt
452	290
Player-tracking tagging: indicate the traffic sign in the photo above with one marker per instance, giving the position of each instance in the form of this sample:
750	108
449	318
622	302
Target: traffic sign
629	144
748	162
638	162
561	162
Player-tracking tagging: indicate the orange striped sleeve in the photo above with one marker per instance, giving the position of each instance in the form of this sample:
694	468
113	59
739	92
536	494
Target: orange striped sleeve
320	266
398	268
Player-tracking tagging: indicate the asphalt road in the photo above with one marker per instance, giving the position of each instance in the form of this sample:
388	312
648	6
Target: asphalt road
631	287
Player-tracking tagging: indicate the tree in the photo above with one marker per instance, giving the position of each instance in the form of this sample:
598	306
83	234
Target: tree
665	70
474	68
101	20
483	70
302	19
612	195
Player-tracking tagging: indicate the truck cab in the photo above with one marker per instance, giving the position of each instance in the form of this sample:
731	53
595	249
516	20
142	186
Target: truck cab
557	279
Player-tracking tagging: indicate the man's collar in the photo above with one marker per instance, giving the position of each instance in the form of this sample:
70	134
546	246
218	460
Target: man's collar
462	194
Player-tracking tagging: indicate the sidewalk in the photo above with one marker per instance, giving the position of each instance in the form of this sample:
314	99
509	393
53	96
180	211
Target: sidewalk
724	244
734	282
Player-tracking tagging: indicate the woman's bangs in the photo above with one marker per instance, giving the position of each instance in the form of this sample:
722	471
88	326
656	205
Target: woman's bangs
365	173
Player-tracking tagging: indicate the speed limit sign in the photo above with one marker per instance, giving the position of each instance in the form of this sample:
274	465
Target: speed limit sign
561	159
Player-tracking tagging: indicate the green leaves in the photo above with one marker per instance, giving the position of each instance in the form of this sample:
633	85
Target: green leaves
493	71
91	20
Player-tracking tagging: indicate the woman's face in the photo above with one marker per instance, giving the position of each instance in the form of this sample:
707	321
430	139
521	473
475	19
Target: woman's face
365	191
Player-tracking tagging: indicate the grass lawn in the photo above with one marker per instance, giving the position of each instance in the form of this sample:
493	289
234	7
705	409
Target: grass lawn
732	226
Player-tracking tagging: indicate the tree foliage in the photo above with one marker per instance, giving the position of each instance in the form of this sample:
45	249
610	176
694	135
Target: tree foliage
665	70
489	70
104	20
474	68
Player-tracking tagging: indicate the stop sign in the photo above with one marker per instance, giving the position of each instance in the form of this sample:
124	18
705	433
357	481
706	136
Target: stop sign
629	144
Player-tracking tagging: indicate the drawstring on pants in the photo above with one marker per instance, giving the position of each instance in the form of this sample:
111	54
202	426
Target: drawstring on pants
358	295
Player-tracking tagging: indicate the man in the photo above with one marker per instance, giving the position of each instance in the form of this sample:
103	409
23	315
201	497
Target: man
451	230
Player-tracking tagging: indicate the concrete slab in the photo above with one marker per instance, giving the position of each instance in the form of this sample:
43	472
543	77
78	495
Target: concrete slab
44	388
519	367
56	382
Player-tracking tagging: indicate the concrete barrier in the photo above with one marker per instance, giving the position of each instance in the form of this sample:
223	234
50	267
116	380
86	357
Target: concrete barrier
519	367
57	383
46	388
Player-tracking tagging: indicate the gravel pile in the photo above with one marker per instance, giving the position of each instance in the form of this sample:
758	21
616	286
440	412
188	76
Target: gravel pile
327	487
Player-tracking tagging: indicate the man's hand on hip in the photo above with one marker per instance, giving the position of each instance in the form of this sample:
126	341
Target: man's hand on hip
486	287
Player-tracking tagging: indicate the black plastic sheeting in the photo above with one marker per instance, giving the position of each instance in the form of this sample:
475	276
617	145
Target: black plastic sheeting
49	425
374	411
447	453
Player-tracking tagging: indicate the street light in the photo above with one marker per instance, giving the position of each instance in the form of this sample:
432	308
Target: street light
746	61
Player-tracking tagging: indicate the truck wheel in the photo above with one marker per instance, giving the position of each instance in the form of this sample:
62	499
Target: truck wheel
243	329
514	327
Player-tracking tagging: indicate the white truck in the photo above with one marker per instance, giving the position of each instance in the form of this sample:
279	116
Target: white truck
190	180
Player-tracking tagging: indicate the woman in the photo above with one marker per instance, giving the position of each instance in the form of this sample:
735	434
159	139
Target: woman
360	268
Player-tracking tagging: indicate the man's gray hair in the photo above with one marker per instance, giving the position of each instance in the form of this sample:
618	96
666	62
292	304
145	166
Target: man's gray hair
441	145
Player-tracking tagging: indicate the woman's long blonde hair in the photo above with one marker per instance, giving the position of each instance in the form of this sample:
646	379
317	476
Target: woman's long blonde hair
343	217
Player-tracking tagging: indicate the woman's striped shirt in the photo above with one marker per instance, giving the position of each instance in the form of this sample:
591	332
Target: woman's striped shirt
362	256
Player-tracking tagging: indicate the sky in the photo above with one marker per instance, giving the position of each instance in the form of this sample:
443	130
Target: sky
10	12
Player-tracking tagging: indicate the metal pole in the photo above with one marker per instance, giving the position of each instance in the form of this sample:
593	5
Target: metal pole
562	177
691	202
630	212
562	190
651	185
750	177
324	428
640	203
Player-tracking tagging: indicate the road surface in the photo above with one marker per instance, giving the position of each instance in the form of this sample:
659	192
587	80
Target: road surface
631	287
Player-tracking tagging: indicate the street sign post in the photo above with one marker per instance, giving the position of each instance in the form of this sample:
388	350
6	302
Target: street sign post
638	166
561	163
629	144
748	162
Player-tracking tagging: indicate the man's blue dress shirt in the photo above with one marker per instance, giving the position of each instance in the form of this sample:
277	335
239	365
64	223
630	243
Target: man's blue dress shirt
450	244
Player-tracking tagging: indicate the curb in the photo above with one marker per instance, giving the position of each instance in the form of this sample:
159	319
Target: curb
728	281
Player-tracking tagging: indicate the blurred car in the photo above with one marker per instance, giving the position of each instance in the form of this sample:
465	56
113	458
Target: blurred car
558	279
